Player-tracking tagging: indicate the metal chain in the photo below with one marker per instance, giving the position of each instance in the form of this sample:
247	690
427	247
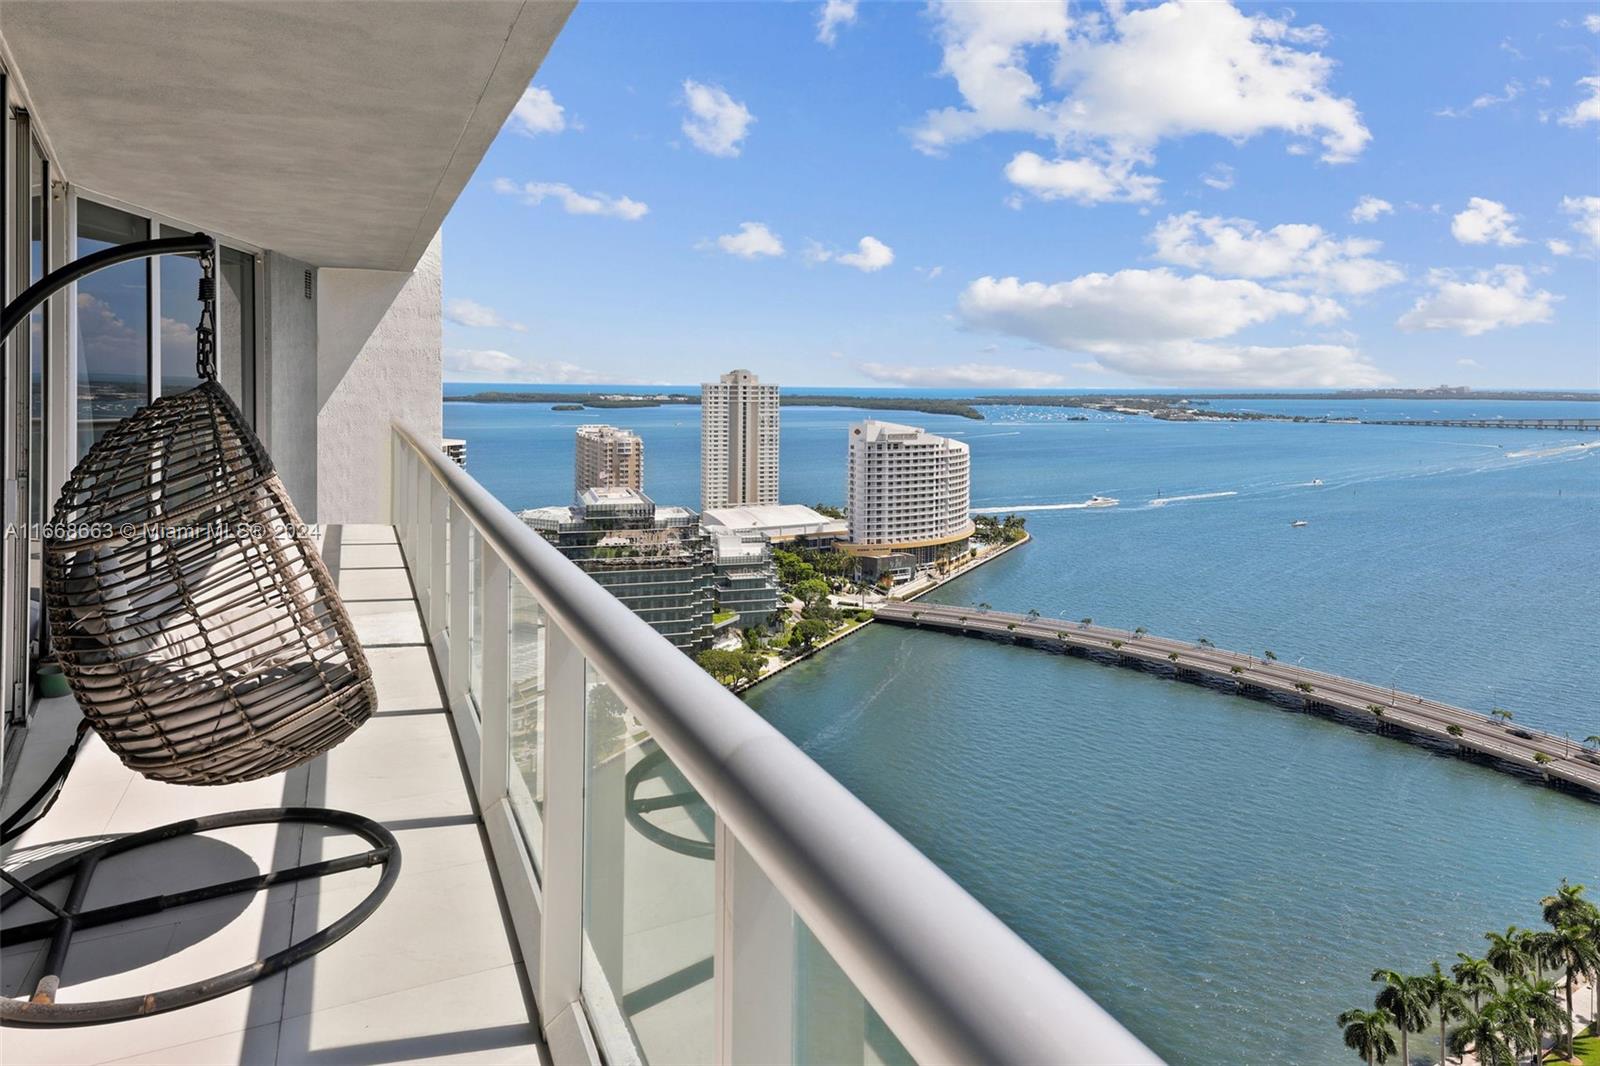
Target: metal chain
205	348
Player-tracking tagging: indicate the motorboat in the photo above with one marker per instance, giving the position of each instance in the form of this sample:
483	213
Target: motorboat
1316	481
1298	523
1101	501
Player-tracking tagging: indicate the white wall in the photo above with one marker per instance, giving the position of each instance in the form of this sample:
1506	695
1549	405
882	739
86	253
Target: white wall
379	337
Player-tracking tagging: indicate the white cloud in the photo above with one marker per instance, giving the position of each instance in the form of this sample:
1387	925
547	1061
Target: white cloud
573	202
753	241
979	375
1219	177
464	312
871	255
1585	212
1494	299
1558	247
716	122
1512	90
1155	325
1592	23
1587	110
476	364
1133	77
1304	255
1085	181
834	13
1486	222
929	273
537	112
1468	362
1369	208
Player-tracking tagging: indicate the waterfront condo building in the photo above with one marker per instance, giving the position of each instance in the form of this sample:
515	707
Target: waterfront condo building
607	457
656	560
738	441
910	498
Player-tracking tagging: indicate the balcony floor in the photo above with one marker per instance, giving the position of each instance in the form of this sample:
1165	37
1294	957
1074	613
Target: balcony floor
433	975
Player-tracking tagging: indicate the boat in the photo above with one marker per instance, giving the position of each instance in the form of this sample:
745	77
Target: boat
1298	522
1101	501
1316	481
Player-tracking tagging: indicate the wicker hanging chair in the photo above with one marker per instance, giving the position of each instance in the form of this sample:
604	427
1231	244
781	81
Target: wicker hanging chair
201	633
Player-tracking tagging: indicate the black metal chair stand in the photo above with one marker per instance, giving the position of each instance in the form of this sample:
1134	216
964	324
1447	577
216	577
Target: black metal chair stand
67	919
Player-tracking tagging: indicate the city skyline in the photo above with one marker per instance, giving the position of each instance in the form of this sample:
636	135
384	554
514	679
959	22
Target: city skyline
881	208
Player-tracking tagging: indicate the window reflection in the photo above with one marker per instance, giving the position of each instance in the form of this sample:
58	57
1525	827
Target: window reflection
180	310
113	315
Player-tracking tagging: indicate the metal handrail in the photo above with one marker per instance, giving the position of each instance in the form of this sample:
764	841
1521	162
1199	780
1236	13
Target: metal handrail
950	979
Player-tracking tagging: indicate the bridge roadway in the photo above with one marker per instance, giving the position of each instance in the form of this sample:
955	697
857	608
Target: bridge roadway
1580	425
1570	765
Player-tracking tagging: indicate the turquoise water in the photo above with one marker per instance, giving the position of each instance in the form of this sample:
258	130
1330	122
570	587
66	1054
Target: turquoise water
1221	874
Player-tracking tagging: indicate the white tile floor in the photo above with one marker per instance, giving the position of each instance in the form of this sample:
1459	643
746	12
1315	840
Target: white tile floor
432	976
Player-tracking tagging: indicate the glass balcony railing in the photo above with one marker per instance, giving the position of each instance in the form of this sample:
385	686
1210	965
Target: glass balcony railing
687	886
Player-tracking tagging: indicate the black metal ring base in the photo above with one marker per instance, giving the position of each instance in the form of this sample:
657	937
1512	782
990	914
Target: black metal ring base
68	919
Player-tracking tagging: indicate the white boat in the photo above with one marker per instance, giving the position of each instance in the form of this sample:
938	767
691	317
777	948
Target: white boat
1316	481
1101	501
1298	522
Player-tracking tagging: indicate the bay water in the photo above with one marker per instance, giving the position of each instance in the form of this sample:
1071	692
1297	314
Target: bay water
1223	875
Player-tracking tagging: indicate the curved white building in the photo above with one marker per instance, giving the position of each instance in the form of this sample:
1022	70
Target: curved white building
909	492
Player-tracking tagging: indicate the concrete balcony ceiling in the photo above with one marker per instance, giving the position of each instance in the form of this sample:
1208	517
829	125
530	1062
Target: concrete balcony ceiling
338	132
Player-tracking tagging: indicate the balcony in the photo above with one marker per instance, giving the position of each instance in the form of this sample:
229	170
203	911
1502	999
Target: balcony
605	856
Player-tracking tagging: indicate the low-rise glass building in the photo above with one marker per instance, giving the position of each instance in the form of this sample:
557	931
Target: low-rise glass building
656	560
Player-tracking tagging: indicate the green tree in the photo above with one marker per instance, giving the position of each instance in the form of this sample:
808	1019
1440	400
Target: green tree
1270	656
1565	904
1592	742
1573	947
1446	998
1480	1032
1475	976
1531	1011
811	590
1507	953
722	664
1405	1000
811	631
1366	1032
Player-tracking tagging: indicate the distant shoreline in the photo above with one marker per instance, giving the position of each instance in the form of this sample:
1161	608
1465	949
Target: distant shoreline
1158	405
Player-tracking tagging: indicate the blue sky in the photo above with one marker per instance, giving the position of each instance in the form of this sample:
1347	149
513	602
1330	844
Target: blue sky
1042	194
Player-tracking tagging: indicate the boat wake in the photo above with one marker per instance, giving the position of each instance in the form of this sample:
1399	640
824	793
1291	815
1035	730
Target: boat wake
1162	501
1032	507
1565	449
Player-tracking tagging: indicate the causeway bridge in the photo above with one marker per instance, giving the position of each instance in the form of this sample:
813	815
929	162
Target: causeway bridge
1506	745
1571	425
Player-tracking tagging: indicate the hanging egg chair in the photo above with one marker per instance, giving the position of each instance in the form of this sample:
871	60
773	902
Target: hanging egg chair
205	642
199	629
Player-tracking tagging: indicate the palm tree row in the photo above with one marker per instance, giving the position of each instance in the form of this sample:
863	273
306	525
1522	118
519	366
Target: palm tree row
1504	1003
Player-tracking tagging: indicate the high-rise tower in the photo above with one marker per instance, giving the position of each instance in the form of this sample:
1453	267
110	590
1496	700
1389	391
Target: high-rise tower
738	441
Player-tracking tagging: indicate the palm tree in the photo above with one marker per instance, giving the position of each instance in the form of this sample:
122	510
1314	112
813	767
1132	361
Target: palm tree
1592	742
1573	947
1269	655
1480	1031
1537	1013
1366	1032
1567	904
1507	953
1406	1001
1444	996
1475	976
1536	945
1516	1024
